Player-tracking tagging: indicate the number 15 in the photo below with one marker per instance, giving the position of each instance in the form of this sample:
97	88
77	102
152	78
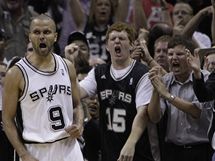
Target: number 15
116	123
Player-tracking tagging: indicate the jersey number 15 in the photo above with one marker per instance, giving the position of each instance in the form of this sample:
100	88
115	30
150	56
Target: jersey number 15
116	122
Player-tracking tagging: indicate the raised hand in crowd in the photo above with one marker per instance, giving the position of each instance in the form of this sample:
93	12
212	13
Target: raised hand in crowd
71	51
194	62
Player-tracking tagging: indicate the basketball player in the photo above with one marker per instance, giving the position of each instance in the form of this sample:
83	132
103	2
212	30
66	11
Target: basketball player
124	92
42	89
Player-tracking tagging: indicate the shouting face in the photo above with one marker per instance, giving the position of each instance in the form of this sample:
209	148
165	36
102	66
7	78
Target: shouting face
42	36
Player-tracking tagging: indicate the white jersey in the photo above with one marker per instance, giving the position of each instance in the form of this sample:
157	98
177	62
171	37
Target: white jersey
46	103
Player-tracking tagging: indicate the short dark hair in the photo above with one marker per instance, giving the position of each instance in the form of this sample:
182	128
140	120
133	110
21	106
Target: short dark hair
44	17
181	40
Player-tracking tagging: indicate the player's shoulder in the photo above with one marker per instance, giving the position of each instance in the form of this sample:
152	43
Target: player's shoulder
14	77
14	71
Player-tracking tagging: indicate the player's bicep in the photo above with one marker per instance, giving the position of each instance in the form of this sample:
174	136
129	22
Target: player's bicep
11	92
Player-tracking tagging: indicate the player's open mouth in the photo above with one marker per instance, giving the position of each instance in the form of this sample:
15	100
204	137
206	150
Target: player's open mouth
42	45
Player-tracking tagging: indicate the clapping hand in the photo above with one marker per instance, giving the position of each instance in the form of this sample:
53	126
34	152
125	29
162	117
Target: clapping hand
194	63
155	77
194	60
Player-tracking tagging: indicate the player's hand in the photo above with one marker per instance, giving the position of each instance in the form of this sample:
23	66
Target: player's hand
156	80
145	55
74	130
127	153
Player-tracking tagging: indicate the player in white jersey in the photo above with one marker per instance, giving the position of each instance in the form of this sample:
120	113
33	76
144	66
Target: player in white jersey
43	92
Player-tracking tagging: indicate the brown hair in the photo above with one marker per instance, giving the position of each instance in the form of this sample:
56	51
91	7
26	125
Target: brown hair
121	26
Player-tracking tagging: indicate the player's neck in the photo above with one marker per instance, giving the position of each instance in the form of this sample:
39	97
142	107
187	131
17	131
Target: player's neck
121	64
42	63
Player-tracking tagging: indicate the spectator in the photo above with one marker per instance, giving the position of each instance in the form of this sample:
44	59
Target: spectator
124	91
91	133
161	52
205	91
186	23
101	15
187	121
158	30
78	51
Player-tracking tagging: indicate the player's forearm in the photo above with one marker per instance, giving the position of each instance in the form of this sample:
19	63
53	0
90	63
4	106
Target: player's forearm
185	106
154	110
12	134
79	115
193	24
138	126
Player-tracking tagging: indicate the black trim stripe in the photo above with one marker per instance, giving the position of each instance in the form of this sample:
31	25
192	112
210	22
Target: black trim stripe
65	65
39	71
34	142
26	81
